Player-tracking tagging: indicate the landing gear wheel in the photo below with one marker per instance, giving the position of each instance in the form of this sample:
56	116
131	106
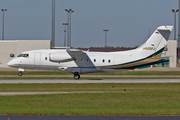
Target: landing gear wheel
76	76
20	73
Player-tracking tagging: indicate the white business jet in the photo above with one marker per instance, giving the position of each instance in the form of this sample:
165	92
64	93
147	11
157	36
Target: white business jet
78	62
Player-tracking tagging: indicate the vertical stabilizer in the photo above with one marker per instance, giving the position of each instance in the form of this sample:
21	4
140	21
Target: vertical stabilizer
157	41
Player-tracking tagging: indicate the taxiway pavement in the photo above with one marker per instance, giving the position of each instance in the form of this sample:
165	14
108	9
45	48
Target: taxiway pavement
93	81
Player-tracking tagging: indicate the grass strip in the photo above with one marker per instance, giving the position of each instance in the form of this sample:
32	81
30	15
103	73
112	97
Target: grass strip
136	103
156	99
46	87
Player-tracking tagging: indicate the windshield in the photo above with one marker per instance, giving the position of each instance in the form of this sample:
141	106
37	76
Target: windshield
23	55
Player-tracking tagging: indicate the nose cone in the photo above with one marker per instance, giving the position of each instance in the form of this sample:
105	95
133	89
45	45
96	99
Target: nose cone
12	63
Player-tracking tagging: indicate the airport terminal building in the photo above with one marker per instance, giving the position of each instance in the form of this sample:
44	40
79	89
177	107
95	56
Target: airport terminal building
12	48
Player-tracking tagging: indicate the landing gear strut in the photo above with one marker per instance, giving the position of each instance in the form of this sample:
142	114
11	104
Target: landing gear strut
76	76
20	73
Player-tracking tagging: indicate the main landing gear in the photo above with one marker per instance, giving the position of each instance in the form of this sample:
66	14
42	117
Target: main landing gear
76	76
20	73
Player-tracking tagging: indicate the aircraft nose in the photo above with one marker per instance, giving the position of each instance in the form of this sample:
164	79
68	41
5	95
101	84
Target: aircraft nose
10	63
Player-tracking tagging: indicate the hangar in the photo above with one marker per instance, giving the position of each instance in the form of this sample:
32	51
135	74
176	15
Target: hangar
170	53
12	48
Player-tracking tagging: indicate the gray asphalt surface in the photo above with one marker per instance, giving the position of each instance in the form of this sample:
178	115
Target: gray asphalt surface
94	81
15	117
91	76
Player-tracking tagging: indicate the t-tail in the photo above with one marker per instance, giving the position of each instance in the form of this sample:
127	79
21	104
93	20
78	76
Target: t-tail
154	46
158	39
150	52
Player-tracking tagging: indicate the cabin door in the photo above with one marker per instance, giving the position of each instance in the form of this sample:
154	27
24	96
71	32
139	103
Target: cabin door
37	59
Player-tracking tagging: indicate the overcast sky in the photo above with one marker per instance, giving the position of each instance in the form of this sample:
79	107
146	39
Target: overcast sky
128	21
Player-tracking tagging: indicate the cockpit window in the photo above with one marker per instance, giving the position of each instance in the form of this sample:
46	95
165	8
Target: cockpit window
26	55
23	55
20	55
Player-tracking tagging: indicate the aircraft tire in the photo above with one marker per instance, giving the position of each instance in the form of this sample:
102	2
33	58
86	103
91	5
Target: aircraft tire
20	73
76	76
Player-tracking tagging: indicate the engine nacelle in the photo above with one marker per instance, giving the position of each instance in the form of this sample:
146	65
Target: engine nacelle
54	57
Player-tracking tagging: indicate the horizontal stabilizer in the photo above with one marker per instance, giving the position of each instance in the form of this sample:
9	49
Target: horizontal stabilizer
168	28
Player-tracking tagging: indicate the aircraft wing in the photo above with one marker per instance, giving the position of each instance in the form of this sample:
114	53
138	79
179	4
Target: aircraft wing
75	52
79	56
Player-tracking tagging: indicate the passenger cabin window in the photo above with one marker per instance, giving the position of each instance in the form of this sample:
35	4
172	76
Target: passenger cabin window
94	60
45	58
109	61
103	60
23	55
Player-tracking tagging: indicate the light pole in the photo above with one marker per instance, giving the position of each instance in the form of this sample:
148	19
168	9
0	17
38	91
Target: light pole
69	27
53	25
175	11
65	33
3	23
178	35
105	30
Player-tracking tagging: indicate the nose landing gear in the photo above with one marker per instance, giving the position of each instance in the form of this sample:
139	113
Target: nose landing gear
76	76
20	71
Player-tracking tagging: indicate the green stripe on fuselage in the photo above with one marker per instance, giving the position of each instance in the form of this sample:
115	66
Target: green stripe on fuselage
154	54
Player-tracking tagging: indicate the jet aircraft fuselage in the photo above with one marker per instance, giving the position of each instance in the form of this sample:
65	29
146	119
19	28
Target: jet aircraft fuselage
78	62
